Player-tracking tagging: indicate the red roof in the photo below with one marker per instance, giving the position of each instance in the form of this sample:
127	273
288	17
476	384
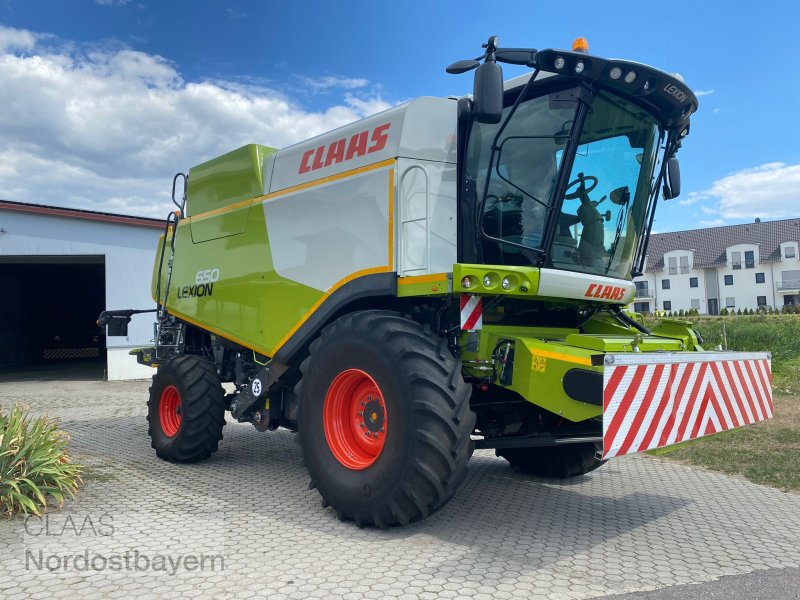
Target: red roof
77	213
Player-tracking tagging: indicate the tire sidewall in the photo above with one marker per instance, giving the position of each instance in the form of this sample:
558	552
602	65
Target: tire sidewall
358	489
162	380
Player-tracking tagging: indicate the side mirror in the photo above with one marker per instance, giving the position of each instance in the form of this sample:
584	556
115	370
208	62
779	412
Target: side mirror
487	93
672	185
620	196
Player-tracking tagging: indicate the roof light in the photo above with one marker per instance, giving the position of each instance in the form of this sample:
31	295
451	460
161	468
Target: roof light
615	73
559	62
579	66
630	77
580	45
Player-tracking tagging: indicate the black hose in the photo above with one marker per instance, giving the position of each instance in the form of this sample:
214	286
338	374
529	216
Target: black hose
161	262
622	316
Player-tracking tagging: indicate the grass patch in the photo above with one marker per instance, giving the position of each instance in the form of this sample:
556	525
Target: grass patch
35	467
767	453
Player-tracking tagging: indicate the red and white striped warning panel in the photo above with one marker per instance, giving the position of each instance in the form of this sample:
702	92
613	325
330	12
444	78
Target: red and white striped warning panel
471	312
654	400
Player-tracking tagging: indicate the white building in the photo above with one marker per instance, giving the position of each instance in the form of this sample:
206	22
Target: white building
735	267
59	268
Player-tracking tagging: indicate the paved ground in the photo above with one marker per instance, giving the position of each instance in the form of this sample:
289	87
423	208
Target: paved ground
636	524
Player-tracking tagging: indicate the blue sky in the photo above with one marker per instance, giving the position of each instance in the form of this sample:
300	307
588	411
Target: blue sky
105	99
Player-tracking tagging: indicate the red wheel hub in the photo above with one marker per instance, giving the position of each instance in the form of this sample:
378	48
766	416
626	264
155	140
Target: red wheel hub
355	420
169	410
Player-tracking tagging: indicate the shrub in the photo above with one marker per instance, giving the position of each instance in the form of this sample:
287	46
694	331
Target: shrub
723	312
35	467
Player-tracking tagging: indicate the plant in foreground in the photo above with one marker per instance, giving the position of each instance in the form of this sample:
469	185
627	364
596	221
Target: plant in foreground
35	467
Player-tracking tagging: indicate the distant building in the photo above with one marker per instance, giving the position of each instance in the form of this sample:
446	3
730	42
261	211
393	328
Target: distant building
59	267
734	267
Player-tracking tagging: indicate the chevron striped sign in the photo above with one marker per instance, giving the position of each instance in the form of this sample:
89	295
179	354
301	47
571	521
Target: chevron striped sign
651	401
55	353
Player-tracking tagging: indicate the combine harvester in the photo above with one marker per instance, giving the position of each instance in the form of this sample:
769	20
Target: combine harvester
446	275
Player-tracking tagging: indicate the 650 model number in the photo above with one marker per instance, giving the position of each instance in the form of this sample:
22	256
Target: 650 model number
203	286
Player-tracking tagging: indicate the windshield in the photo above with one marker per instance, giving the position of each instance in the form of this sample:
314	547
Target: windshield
602	215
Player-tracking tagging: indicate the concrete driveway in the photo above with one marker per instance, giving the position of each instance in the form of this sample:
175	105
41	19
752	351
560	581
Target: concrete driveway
245	525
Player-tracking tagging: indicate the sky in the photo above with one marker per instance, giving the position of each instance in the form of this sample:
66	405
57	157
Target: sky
102	101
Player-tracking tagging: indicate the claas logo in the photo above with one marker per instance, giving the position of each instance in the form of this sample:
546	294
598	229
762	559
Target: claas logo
360	144
605	292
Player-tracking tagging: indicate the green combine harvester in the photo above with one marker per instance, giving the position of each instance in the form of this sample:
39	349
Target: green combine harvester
450	274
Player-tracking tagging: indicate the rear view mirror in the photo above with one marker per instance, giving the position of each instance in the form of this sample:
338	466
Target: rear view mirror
620	196
487	93
672	183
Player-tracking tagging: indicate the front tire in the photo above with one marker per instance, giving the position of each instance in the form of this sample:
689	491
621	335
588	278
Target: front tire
555	462
384	419
186	410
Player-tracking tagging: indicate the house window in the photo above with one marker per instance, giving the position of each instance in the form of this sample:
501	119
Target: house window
730	302
684	262
761	300
759	278
749	259
788	252
665	284
696	303
673	265
693	282
736	260
728	279
667	305
641	307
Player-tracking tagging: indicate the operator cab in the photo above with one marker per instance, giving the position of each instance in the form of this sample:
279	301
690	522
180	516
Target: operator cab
567	178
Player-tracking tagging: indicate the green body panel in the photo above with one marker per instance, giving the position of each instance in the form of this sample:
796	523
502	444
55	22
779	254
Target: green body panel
249	302
543	355
622	343
538	375
229	179
524	280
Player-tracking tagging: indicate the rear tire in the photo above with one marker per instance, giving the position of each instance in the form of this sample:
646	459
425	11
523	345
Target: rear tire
557	462
389	379
186	410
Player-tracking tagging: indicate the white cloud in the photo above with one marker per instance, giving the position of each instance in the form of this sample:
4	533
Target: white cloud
106	129
16	39
692	198
768	191
330	81
699	93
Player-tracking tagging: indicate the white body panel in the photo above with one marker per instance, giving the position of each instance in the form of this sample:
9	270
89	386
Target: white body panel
424	129
320	235
338	222
583	286
427	216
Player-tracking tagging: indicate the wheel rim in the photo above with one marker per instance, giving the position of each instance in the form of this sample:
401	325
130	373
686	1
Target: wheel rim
169	410
355	419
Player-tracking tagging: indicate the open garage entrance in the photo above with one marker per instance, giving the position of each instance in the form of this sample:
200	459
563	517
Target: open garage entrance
49	307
